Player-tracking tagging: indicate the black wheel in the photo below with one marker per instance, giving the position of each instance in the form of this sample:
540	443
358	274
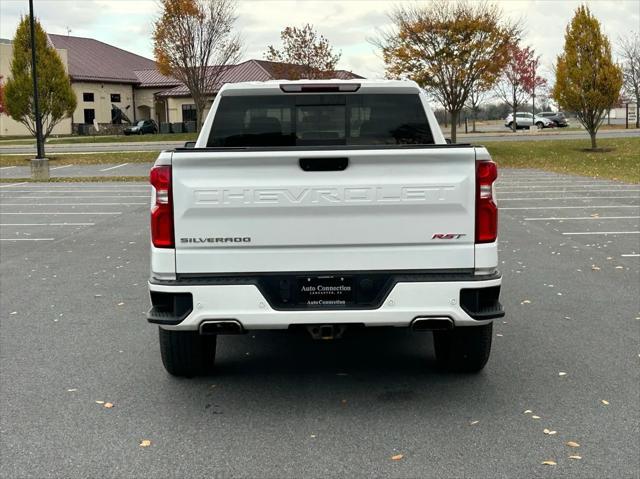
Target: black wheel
463	349
187	353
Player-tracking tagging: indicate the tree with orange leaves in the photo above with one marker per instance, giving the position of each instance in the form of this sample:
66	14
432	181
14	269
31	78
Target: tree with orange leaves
448	48
304	54
194	42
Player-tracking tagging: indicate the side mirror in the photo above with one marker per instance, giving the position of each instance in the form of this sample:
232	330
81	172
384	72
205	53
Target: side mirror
190	144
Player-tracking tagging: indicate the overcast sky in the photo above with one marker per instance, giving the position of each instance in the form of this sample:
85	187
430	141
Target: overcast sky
347	24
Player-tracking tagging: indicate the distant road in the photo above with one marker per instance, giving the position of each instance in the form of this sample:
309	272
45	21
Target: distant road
167	145
524	135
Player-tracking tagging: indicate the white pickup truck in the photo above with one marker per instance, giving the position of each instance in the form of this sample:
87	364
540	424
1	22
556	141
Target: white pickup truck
329	206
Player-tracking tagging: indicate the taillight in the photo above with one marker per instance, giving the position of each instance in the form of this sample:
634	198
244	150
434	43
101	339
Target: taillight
162	210
486	208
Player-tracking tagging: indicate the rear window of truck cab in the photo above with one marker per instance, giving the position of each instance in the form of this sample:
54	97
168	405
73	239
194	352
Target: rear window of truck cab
320	120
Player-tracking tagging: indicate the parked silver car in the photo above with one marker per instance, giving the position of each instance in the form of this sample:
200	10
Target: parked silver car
527	120
557	117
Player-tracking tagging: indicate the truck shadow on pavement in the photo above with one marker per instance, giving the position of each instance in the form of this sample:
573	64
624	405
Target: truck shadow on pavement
385	368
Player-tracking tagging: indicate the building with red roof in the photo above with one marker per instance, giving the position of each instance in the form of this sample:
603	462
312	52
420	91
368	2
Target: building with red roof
114	86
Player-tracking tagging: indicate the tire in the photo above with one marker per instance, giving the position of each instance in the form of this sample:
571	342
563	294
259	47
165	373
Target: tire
464	349
187	353
540	125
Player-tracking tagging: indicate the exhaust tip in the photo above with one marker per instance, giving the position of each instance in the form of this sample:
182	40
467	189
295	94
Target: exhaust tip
420	324
227	326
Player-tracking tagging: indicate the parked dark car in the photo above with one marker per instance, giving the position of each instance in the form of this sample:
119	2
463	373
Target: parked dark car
557	117
141	127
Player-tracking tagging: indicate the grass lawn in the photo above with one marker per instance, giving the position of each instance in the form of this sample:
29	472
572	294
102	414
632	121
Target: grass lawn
103	139
83	158
620	161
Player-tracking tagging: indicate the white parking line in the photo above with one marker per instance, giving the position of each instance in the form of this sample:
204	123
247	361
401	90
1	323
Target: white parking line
47	224
65	213
560	218
13	184
70	191
528	187
603	233
114	167
27	239
559	181
634	255
585	207
73	197
60	167
556	191
568	198
6	167
72	204
82	185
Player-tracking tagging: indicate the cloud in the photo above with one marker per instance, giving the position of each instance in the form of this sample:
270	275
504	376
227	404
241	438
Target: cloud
347	24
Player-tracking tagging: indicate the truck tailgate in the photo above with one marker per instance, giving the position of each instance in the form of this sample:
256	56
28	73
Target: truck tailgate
260	211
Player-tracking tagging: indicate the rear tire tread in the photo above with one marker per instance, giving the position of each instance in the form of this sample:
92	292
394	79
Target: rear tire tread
187	353
464	349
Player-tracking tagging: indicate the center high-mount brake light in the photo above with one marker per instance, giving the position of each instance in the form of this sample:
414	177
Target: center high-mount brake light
319	87
162	210
486	208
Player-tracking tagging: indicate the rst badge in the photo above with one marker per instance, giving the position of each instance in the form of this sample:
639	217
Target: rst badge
448	236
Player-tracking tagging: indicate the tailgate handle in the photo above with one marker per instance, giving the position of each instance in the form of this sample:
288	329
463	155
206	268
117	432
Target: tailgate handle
324	164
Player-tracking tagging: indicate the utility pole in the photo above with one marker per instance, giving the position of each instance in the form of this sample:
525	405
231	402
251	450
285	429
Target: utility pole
39	165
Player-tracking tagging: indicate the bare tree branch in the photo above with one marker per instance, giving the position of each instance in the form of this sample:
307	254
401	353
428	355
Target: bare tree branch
194	42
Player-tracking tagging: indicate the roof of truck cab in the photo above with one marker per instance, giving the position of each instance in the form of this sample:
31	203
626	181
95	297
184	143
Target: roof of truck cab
273	86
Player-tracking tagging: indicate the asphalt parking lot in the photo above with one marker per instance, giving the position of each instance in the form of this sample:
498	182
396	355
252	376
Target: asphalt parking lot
565	358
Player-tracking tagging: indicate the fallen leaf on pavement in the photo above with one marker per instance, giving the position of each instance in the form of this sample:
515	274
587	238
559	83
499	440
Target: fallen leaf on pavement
595	268
535	417
549	463
525	301
71	390
562	373
99	402
575	457
573	444
108	405
528	411
605	402
120	304
397	457
145	443
474	422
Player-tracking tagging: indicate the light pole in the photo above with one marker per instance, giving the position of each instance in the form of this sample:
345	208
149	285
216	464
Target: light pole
533	94
39	165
